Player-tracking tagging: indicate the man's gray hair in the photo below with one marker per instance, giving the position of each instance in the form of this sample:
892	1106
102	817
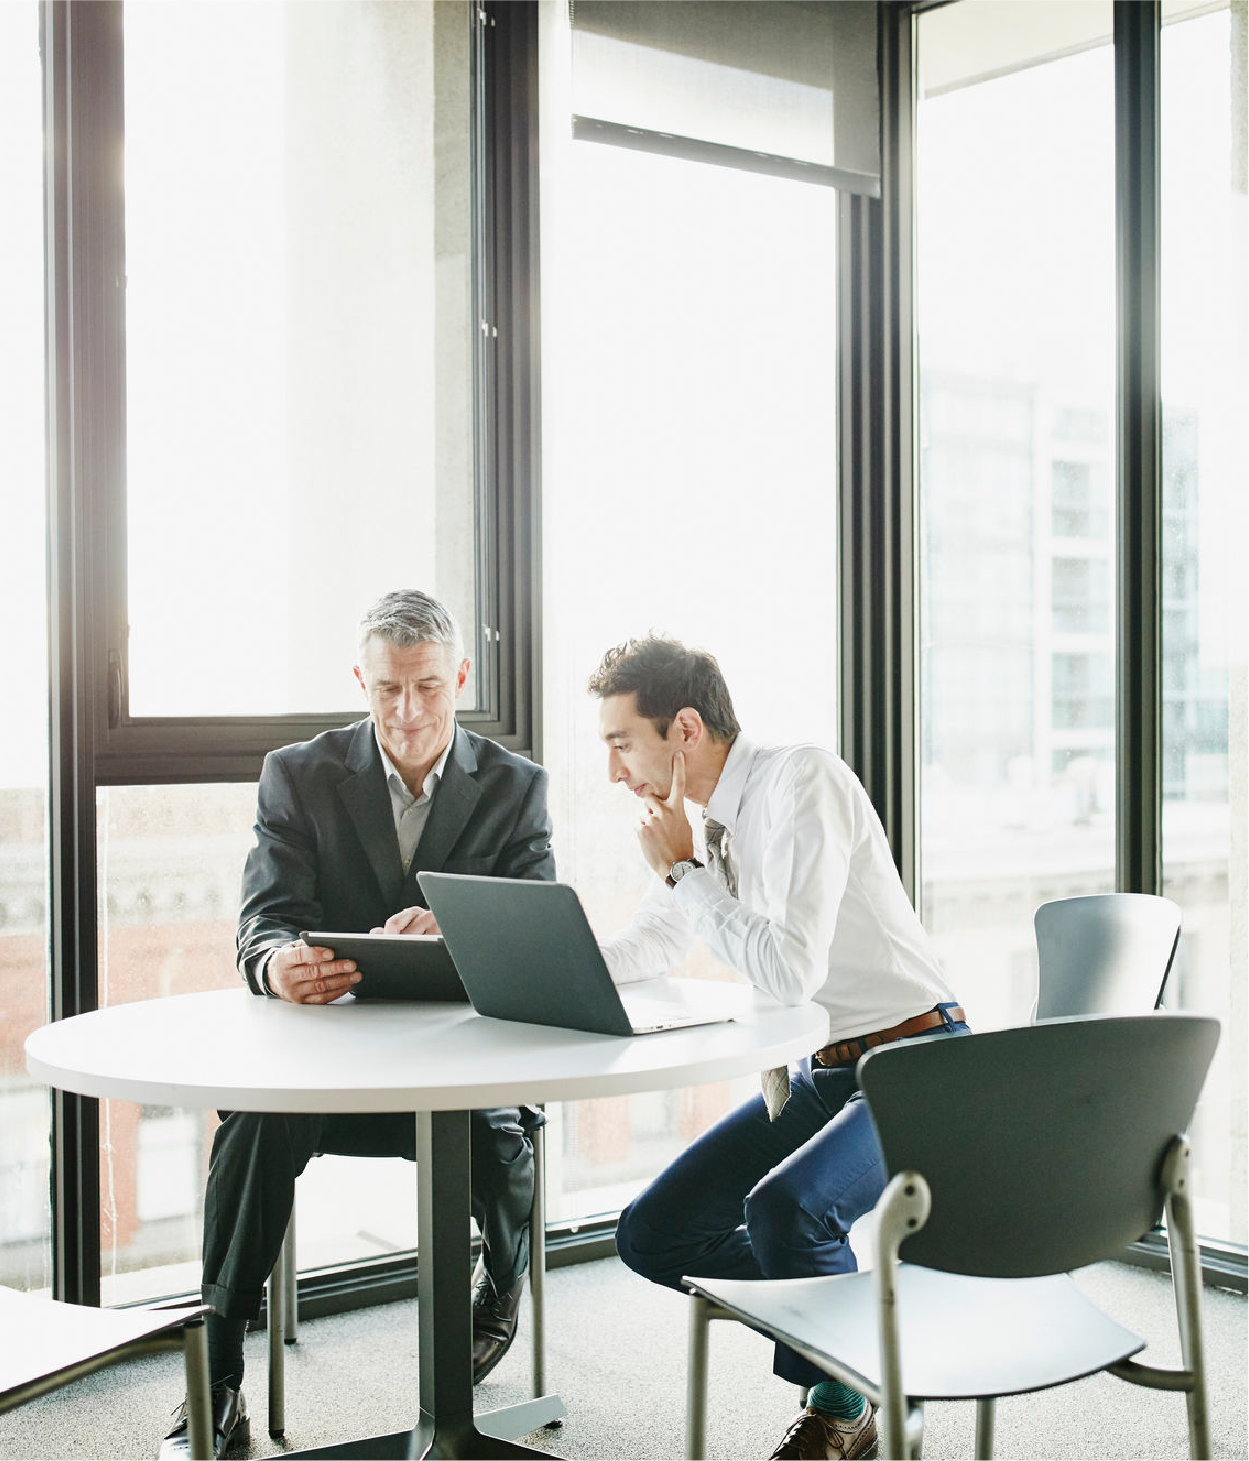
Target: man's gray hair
407	617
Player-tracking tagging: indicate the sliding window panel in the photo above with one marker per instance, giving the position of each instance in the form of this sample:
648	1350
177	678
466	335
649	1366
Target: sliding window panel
299	334
689	401
25	1218
1016	340
1205	611
169	862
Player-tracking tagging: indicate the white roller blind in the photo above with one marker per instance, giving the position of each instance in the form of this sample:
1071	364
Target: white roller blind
786	78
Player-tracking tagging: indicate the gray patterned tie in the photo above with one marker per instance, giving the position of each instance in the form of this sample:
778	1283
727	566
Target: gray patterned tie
775	1083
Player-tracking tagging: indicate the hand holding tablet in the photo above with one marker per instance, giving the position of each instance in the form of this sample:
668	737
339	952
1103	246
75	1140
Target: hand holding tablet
396	965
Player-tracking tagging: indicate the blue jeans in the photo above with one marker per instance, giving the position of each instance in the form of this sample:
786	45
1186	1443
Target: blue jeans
754	1198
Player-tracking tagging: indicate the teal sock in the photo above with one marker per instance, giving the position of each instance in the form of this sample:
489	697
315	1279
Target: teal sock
831	1397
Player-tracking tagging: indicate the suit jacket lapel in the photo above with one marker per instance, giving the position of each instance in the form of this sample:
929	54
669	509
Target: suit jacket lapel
457	795
363	793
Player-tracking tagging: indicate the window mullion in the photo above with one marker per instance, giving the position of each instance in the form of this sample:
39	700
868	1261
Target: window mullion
82	117
876	472
1137	46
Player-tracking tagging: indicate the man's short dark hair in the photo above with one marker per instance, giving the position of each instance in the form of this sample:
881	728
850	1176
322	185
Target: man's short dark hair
666	677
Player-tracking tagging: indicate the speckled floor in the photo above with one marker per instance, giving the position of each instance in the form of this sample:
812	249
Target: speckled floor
616	1355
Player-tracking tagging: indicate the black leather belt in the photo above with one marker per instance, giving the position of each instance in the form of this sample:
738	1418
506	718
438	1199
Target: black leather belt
846	1052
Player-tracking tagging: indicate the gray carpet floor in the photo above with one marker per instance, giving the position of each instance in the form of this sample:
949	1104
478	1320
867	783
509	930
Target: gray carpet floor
616	1355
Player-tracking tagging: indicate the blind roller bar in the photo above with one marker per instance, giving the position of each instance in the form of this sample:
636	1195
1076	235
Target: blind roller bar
719	154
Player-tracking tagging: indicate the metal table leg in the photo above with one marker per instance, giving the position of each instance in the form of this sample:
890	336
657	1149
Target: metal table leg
447	1426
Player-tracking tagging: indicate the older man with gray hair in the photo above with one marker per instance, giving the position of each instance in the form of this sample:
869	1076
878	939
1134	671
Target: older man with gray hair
344	824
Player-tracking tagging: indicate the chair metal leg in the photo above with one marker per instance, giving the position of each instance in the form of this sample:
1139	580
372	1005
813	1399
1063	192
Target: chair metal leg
537	1260
198	1391
985	1414
696	1383
1186	1282
290	1283
281	1306
902	1209
915	1430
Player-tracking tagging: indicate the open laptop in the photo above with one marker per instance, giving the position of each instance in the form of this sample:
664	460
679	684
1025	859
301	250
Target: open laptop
525	951
408	966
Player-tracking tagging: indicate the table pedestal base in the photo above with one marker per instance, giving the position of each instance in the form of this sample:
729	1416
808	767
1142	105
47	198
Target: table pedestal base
492	1435
447	1424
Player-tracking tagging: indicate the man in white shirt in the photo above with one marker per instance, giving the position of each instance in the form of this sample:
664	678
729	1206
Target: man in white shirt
790	882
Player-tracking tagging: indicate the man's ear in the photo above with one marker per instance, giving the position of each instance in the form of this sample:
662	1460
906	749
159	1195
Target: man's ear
355	670
690	728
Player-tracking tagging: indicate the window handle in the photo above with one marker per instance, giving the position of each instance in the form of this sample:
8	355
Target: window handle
115	688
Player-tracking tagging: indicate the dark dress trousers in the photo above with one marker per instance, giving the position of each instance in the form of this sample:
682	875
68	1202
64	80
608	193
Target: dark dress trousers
327	856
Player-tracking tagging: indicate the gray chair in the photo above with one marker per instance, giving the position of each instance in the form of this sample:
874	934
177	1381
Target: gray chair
986	1138
1106	954
45	1344
283	1295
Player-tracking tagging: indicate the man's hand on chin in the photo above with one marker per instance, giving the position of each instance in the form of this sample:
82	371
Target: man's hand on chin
665	834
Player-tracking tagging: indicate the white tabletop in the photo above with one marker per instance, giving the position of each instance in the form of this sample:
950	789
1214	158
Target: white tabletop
231	1049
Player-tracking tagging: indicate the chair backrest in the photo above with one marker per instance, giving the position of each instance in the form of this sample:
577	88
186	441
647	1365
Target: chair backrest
1042	1145
1107	954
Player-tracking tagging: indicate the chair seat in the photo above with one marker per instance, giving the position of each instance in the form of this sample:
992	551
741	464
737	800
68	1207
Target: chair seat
961	1338
41	1337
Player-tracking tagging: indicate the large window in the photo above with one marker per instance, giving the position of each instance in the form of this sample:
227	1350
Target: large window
1022	580
279	418
689	466
1205	610
24	1110
1015	318
299	438
298	342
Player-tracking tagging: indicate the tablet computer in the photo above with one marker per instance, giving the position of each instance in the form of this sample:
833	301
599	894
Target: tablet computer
411	966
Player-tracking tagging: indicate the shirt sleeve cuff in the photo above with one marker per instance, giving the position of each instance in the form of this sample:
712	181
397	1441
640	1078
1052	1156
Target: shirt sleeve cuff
697	888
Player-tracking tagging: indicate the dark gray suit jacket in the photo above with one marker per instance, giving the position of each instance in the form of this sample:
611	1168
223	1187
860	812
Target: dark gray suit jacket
326	854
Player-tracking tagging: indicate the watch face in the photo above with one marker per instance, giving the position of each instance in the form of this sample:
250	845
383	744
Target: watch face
679	869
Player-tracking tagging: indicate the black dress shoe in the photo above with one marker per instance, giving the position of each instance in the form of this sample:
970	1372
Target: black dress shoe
231	1427
494	1322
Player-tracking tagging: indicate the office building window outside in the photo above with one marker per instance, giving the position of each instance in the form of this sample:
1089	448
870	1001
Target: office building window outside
25	1112
1204	604
689	488
1015	309
171	860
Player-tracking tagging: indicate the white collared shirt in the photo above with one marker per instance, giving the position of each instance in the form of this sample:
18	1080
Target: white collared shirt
820	913
411	812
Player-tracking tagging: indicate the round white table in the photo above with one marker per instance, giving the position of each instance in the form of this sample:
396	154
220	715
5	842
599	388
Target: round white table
228	1049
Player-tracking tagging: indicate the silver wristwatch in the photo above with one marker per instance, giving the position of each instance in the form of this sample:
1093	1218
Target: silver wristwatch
678	870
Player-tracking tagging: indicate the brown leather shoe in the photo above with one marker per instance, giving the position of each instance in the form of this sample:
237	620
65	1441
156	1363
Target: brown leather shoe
817	1437
231	1426
494	1321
